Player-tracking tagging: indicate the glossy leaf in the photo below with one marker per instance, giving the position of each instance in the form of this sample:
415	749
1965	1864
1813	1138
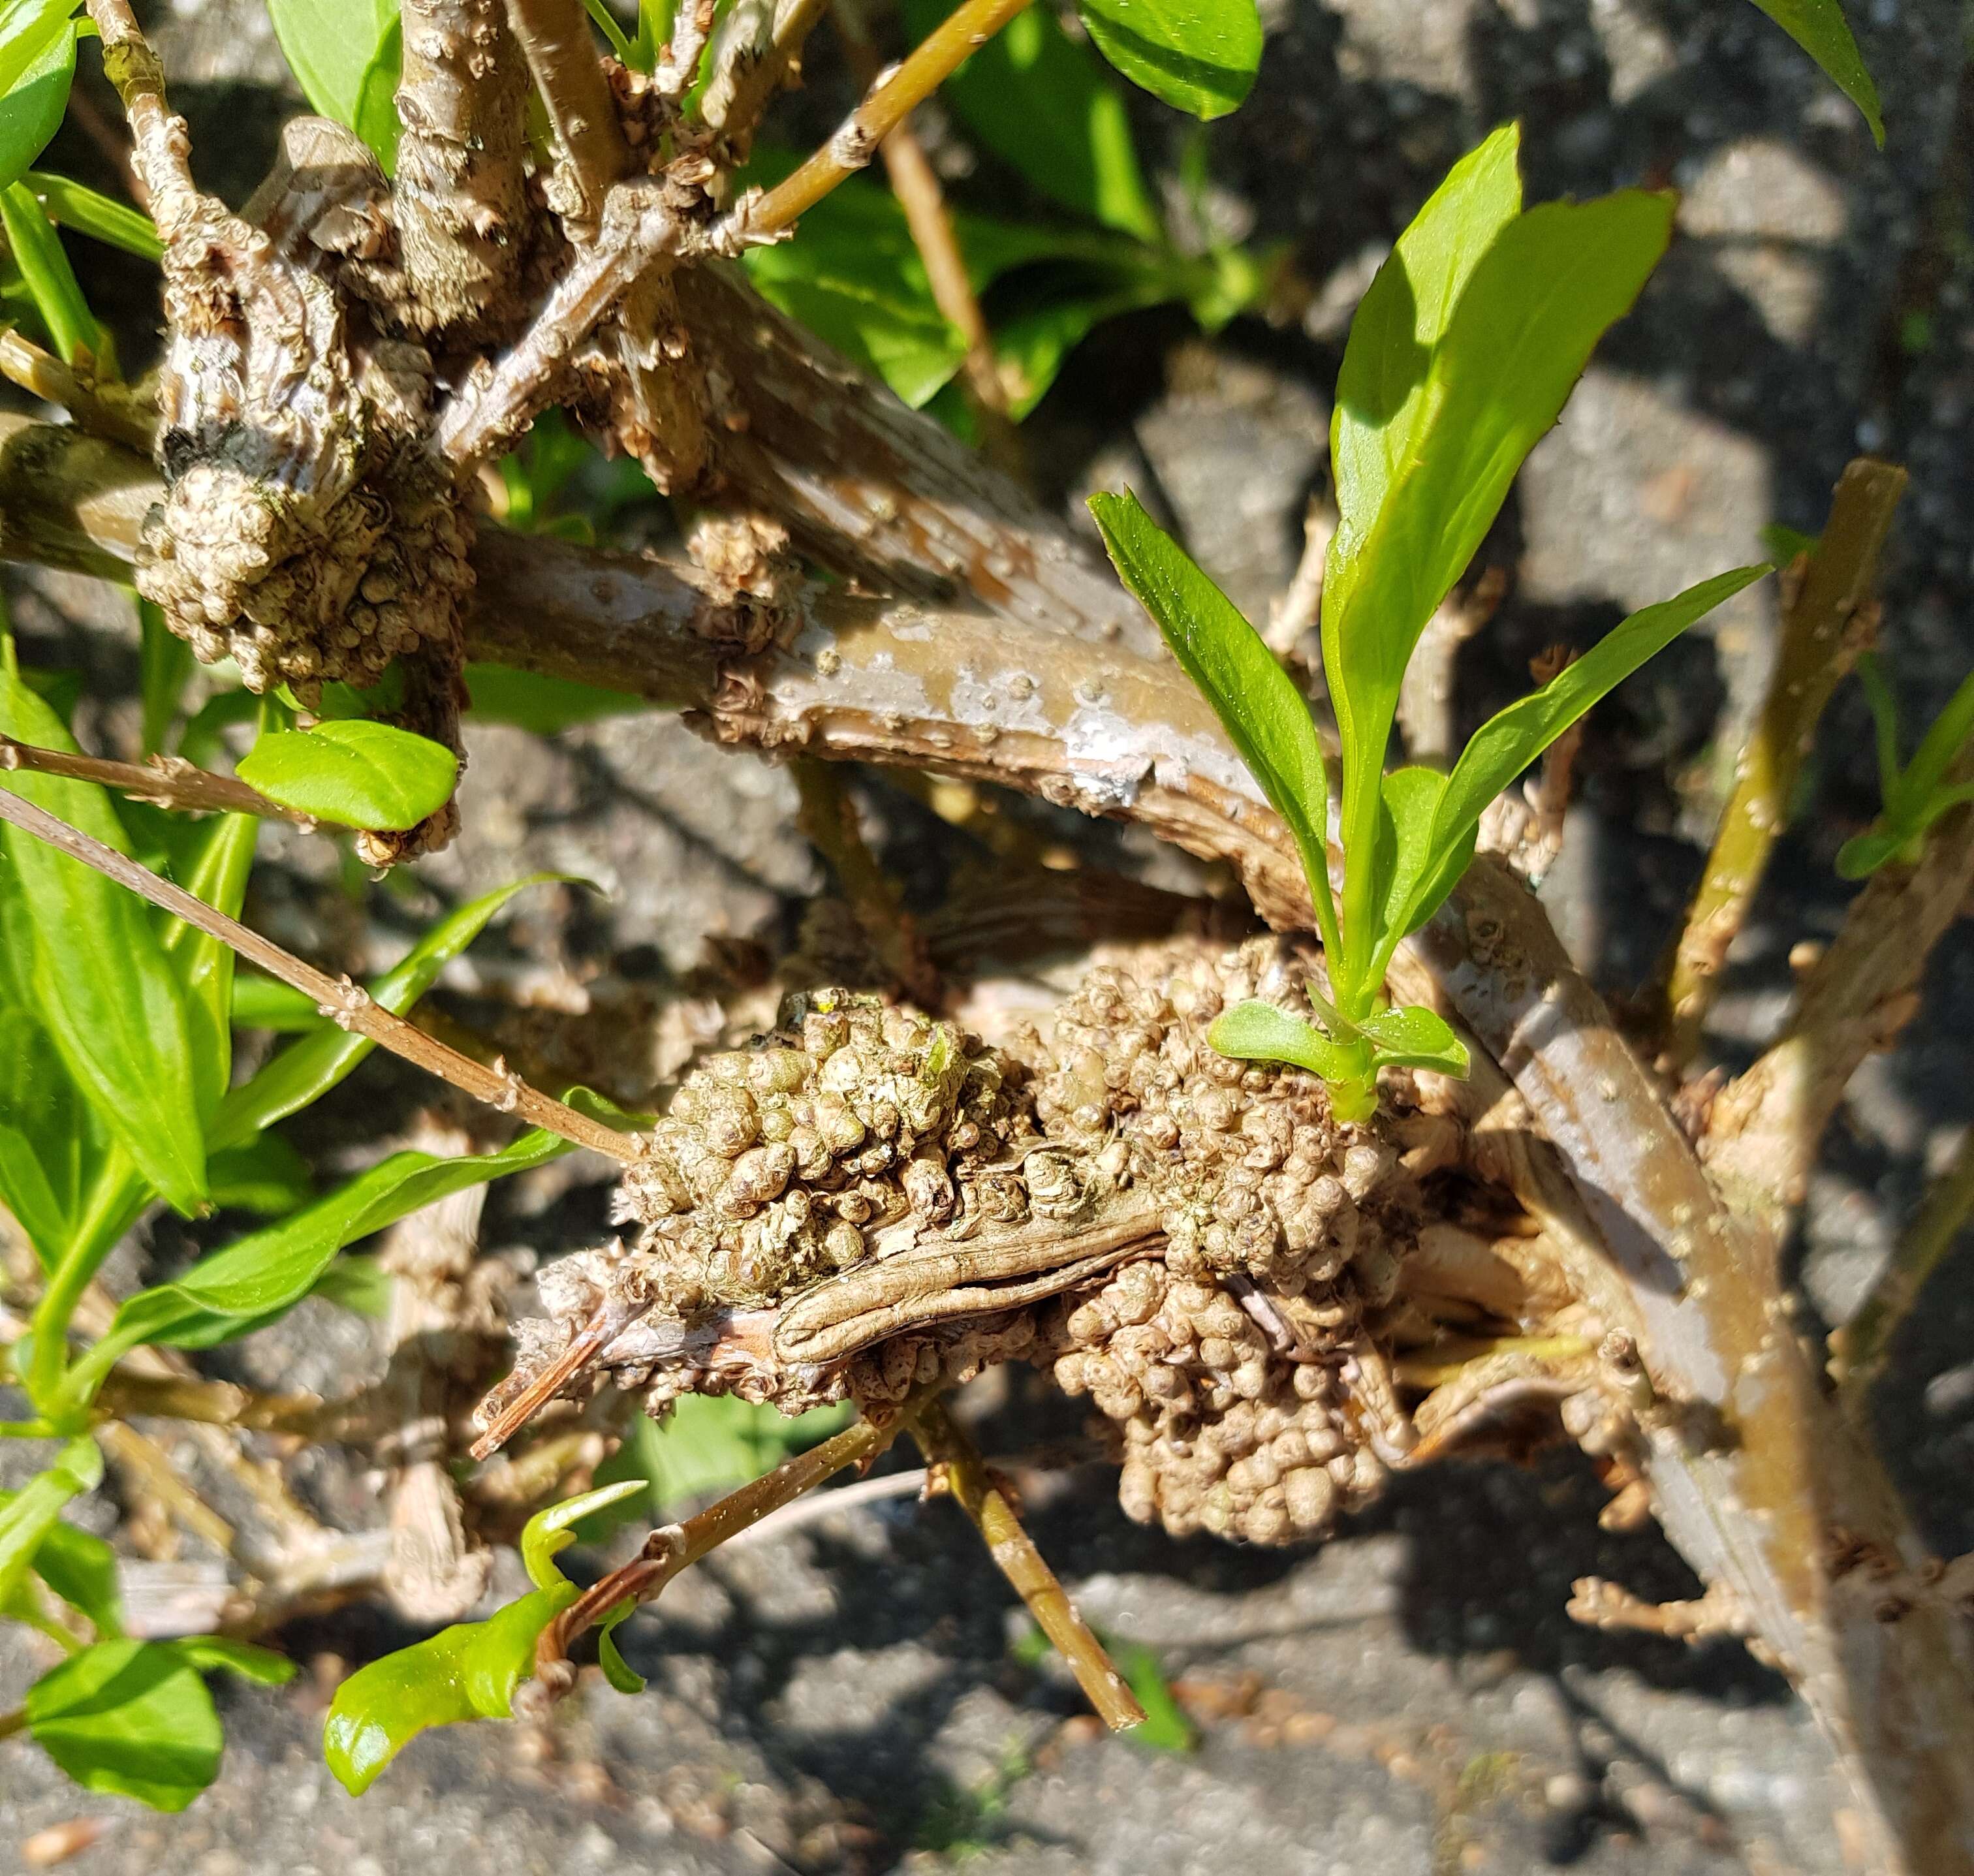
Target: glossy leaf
266	1175
1199	56
81	1569
308	1069
1042	104
1820	28
1509	741
256	1278
1257	1032
216	1654
1414	1037
70	203
353	772
330	46
38	252
32	109
468	1671
375	118
130	1718
204	964
262	1002
1534	305
100	981
1255	699
33	1511
28	28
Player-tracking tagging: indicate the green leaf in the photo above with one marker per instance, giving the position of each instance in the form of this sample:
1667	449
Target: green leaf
1257	1032
375	118
906	341
131	1718
204	964
100	981
330	46
1864	854
1944	740
31	111
1414	1037
1041	103
708	1444
33	1511
69	204
28	28
1165	1727
1785	543
38	253
256	1278
1199	56
164	667
1884	722
261	1002
533	701
357	774
1404	314
1534	305
215	1653
1409	800
1255	699
1820	28
1509	741
266	1175
307	1070
81	1568
360	1284
616	1670
469	1671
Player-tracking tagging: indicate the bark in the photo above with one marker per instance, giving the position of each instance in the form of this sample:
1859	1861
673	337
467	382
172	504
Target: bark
462	208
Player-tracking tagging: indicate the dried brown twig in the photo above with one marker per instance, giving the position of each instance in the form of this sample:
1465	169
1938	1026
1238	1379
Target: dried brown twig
167	781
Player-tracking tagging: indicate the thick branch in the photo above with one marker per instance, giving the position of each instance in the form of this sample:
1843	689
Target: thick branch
460	197
110	411
561	50
1826	622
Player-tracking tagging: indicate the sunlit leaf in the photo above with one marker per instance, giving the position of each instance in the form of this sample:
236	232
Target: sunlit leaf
1199	56
32	1512
330	46
1257	1032
353	772
32	109
1413	1038
1820	28
43	265
70	203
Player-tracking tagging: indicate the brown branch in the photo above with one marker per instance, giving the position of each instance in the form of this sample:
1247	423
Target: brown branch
678	65
338	998
158	147
560	47
71	500
754	67
675	1548
165	781
1860	1349
460	197
948	46
956	1467
1827	622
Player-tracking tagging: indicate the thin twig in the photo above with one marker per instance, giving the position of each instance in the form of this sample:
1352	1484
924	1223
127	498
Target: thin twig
1859	1350
676	1547
159	151
678	65
114	415
954	41
560	47
165	781
827	816
1827	621
957	1465
819	1505
342	1001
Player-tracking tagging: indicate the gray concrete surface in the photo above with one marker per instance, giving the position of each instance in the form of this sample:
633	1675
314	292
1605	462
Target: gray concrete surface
1410	1697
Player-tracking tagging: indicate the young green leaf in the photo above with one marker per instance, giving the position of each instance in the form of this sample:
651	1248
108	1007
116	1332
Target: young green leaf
32	109
262	1002
258	1277
266	1175
204	964
1944	740
1040	103
356	773
330	46
1255	699
165	664
100	978
131	1718
216	1655
33	1511
69	204
375	119
1413	1038
1199	56
1521	331
1401	318
38	252
1917	795
309	1069
1820	28
1257	1032
469	1671
1509	741
1165	1727
81	1569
